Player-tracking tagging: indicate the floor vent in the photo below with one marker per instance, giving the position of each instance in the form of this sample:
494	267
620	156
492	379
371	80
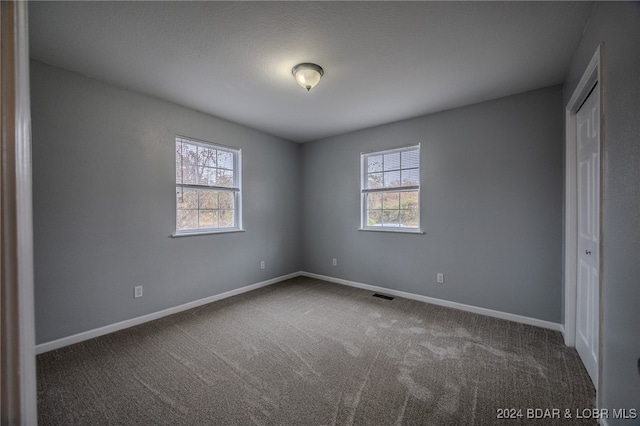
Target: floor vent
383	296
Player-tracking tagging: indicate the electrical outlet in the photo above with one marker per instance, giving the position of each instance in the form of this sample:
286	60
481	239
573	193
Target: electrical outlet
335	262
262	264
137	291
440	278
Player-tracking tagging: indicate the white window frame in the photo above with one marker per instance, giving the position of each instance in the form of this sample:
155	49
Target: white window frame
365	191
235	189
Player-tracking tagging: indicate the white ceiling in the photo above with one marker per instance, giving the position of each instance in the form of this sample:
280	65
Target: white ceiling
383	61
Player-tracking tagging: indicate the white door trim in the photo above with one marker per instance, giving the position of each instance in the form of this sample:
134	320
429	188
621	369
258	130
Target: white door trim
18	397
592	74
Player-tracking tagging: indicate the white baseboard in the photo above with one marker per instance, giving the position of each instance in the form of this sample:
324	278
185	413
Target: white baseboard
101	331
564	336
455	305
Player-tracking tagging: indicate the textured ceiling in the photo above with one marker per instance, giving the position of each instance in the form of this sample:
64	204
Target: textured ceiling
383	61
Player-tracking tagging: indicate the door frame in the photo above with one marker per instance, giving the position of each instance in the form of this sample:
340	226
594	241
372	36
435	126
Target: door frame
18	403
593	74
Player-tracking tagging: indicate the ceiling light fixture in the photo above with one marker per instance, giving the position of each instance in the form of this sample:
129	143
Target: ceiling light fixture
307	75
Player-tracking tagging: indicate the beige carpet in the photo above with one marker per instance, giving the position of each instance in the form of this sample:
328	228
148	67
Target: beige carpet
308	352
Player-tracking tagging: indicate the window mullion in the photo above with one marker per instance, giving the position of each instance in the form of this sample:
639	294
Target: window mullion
198	205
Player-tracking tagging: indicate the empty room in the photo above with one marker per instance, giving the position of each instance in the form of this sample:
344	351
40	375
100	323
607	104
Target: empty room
321	213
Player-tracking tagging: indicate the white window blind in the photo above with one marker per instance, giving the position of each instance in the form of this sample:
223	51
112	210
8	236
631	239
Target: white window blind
207	187
390	189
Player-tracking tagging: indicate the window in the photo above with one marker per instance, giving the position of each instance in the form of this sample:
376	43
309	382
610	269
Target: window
390	190
207	187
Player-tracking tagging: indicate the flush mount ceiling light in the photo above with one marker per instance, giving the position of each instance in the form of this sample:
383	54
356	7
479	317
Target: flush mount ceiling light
307	75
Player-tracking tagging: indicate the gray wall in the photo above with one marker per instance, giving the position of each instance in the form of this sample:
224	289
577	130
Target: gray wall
617	25
104	206
491	207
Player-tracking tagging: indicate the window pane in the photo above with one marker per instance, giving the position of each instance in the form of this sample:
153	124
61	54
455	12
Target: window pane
208	200
178	164
226	201
391	179
208	218
410	177
189	154
225	160
187	199
374	180
409	209
392	161
187	219
409	218
189	174
374	164
226	218
390	217
374	201
206	157
410	159
225	178
374	217
391	200
409	200
207	176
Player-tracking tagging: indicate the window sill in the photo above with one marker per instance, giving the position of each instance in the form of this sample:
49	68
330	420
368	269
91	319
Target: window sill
395	230
191	234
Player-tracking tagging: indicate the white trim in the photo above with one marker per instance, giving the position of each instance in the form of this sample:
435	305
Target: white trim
563	332
449	304
101	331
21	383
390	229
591	75
24	228
207	232
570	231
